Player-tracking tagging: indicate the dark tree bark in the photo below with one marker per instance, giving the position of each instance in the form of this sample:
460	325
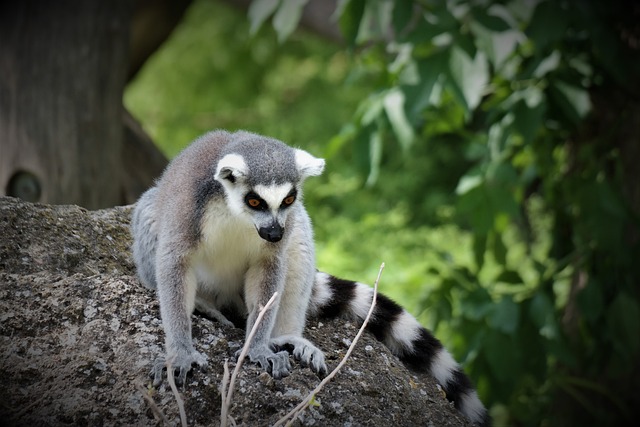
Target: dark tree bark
153	22
141	160
63	67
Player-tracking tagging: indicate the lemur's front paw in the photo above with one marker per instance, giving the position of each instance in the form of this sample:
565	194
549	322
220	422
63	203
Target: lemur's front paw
277	364
181	363
302	350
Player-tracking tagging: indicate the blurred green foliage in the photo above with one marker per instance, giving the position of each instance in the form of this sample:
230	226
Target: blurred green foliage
212	74
465	150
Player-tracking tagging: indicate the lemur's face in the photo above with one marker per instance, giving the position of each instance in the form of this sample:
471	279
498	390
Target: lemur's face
265	204
269	205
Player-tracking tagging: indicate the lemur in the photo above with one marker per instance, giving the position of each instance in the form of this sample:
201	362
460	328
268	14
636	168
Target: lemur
224	228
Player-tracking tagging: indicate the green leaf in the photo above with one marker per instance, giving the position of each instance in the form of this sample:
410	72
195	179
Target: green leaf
259	11
500	252
502	172
479	249
431	72
602	203
497	46
548	64
362	149
490	21
529	115
505	316
476	304
394	107
501	360
287	17
375	155
442	310
623	325
475	206
542	313
402	13
371	109
591	301
469	182
501	188
489	200
497	136
504	46
376	20
548	24
574	101
470	76
350	14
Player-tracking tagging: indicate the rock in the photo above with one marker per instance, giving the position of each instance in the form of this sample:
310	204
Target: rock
78	334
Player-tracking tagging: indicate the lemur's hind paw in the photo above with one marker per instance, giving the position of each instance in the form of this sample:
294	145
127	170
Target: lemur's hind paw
181	363
210	311
302	350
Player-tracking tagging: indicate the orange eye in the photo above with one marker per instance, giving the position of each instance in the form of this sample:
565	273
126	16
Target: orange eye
289	200
254	203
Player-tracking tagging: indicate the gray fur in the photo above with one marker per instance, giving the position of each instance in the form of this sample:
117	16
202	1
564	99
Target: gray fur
144	246
199	244
269	160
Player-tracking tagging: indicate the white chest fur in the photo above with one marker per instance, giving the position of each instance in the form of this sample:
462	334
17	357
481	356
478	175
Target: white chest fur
228	247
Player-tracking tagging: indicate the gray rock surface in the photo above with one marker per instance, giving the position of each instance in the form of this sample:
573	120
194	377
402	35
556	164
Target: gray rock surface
78	333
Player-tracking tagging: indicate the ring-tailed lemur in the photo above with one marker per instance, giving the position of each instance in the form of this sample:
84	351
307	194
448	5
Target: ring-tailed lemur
225	228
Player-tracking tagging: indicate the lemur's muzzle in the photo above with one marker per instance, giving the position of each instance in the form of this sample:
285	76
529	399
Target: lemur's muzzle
273	233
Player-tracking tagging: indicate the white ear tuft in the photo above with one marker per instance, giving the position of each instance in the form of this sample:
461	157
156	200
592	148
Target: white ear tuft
307	164
231	167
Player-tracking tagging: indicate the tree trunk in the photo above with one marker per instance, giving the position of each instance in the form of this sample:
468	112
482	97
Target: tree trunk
153	22
63	67
142	162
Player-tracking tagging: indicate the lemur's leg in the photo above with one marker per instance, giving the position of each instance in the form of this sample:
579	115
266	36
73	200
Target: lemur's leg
262	280
206	307
177	294
292	313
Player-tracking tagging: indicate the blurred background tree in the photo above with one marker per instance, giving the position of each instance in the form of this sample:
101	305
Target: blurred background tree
485	150
60	105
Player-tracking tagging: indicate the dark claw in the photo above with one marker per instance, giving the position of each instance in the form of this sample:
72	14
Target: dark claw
180	370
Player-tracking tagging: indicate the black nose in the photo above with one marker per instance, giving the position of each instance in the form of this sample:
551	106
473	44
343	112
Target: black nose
272	233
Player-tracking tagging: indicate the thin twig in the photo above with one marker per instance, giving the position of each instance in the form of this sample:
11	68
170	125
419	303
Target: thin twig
305	403
223	392
157	412
226	402
225	380
172	383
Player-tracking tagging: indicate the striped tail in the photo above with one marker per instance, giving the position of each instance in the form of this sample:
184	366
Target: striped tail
414	345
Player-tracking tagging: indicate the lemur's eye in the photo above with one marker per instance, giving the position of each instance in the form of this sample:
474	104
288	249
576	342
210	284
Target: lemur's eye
254	201
289	200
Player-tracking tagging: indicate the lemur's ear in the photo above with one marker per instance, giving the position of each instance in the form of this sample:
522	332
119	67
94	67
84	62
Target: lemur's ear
231	167
308	165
